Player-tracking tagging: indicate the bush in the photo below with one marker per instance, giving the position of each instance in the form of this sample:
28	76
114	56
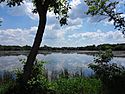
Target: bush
39	84
5	87
65	84
111	74
36	85
76	85
6	82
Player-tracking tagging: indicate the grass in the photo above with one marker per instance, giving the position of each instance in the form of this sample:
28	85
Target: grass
108	79
76	85
6	82
65	84
4	87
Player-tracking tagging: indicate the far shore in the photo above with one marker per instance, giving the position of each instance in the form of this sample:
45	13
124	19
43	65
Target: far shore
45	52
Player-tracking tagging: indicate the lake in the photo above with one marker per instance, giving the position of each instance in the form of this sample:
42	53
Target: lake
56	62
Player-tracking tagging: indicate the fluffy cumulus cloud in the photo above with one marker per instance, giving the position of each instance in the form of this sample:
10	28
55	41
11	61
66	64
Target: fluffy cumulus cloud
78	9
98	37
1	19
73	38
25	9
17	36
71	35
59	37
77	12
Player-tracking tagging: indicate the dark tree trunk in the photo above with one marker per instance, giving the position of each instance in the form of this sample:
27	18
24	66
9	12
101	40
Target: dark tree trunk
42	11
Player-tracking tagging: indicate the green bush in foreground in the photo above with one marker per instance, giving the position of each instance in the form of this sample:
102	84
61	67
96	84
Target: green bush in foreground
36	85
111	75
76	85
5	87
6	82
110	80
39	84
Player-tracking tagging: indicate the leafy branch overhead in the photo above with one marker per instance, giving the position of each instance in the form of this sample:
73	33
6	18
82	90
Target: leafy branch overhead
107	8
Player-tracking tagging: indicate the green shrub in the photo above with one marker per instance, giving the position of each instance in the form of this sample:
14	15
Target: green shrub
4	87
111	74
36	85
76	85
39	84
6	82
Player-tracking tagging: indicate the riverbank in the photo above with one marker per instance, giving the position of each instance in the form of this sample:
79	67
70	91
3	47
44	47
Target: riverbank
15	53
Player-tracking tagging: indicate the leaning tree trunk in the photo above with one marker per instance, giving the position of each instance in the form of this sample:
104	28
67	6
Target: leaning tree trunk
42	11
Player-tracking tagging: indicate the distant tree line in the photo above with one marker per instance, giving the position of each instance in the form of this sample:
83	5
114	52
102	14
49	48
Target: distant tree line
114	47
14	48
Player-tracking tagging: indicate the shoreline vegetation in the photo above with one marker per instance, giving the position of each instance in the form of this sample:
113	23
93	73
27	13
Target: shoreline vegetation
113	47
46	52
64	84
108	79
118	49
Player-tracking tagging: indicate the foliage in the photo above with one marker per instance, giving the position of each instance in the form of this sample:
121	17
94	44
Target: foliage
106	8
37	83
106	46
76	85
64	85
111	74
103	57
6	82
114	47
4	87
60	8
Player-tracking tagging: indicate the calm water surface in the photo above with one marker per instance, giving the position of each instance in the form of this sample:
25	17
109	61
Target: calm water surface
57	62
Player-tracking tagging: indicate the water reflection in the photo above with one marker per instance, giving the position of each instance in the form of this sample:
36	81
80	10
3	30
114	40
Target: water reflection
57	62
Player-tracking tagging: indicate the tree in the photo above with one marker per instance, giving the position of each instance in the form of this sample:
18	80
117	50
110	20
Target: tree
59	7
106	8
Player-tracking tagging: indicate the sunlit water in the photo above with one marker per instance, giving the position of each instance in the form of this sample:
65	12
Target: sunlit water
57	62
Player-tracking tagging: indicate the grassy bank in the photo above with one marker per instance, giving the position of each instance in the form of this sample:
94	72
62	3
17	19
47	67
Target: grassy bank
39	84
109	78
62	85
6	82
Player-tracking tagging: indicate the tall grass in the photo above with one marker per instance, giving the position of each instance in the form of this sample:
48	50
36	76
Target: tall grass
65	83
76	85
6	81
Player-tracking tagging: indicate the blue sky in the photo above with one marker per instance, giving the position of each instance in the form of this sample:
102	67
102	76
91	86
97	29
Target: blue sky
20	24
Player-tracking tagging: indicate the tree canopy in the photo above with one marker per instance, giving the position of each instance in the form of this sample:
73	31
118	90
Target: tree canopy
107	8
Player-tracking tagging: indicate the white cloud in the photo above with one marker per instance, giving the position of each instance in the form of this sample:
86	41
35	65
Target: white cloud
107	23
78	9
17	36
98	37
1	19
56	35
75	22
60	37
24	10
